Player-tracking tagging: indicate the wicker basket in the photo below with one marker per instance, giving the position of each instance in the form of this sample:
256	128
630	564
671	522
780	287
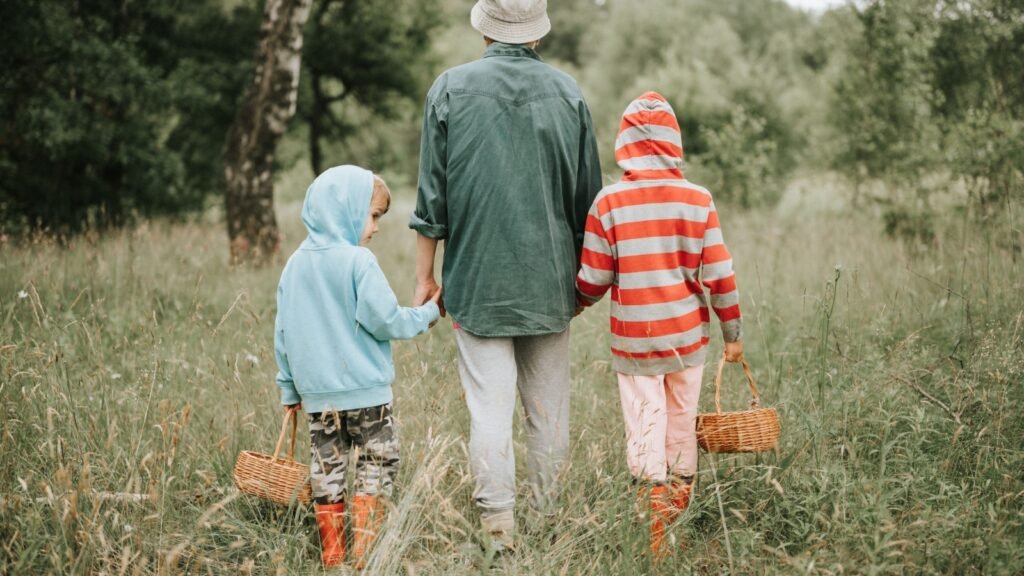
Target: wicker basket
280	480
754	430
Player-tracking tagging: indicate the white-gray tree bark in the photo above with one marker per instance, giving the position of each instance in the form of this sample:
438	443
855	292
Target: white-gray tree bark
263	115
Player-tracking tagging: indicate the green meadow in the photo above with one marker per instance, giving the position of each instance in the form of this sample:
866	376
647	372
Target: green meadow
136	364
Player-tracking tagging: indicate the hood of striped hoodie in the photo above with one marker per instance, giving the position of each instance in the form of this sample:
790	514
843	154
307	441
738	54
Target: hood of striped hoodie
649	145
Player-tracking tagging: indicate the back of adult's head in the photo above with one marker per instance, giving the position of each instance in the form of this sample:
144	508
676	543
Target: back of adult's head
511	21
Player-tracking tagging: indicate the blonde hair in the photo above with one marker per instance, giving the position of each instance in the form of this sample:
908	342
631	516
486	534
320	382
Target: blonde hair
381	197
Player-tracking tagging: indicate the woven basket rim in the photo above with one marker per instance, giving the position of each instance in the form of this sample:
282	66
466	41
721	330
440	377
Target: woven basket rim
279	463
270	459
749	411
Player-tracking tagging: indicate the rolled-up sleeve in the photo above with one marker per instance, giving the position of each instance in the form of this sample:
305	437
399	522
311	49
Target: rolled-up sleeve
431	216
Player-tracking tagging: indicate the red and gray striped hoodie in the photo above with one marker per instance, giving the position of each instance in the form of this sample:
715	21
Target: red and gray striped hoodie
654	239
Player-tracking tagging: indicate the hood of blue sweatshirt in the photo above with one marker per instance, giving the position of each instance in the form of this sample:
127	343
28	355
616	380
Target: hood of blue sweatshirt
336	207
336	313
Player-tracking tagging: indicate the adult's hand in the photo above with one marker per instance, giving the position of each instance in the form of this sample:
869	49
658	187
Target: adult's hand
734	351
426	286
426	290
436	299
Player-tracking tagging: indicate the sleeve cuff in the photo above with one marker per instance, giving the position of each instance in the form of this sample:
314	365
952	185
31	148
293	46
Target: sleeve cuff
584	300
732	330
289	395
433	312
435	231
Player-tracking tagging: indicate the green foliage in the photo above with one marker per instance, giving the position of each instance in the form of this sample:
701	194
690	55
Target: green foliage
364	61
935	87
111	109
916	227
740	76
571	22
882	106
979	56
210	71
741	160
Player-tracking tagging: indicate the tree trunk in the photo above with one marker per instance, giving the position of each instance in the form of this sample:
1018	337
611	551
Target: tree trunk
316	116
321	104
266	108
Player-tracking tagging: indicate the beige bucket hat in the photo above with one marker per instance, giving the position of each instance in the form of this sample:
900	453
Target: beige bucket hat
511	21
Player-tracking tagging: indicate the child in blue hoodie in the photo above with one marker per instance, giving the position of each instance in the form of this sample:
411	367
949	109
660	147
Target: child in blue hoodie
336	316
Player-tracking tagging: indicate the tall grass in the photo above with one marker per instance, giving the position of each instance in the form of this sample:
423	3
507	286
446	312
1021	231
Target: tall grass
135	366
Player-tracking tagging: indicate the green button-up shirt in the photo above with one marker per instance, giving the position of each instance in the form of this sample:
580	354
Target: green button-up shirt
508	170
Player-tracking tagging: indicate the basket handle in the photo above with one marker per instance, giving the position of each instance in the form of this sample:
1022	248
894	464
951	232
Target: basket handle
718	385
291	414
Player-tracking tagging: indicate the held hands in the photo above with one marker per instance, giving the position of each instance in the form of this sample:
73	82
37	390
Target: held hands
734	351
436	299
581	304
428	290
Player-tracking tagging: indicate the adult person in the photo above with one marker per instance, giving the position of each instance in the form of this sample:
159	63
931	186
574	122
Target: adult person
508	171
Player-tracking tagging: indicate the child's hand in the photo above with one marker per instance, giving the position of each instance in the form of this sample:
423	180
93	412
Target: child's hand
734	351
581	304
426	290
436	299
296	407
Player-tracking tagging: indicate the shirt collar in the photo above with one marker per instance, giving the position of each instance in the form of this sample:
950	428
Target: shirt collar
513	50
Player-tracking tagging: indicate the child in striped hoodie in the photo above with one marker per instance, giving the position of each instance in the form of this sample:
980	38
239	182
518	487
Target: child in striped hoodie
653	238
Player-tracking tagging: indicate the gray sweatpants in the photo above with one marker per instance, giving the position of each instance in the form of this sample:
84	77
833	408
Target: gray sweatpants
492	369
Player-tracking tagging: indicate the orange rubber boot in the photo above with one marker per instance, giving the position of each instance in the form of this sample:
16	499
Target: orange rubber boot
367	517
680	492
681	495
661	517
330	520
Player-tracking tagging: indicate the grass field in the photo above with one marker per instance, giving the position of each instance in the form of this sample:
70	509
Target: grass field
137	363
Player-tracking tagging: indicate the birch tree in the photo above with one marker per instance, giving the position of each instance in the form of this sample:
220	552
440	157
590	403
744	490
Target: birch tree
267	106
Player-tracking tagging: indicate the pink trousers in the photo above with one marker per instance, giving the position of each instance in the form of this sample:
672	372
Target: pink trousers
661	419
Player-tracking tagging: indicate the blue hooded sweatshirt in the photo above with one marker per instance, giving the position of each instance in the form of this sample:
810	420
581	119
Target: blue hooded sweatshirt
336	313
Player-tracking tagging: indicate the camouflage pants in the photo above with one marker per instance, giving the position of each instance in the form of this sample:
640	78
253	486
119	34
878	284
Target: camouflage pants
366	435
